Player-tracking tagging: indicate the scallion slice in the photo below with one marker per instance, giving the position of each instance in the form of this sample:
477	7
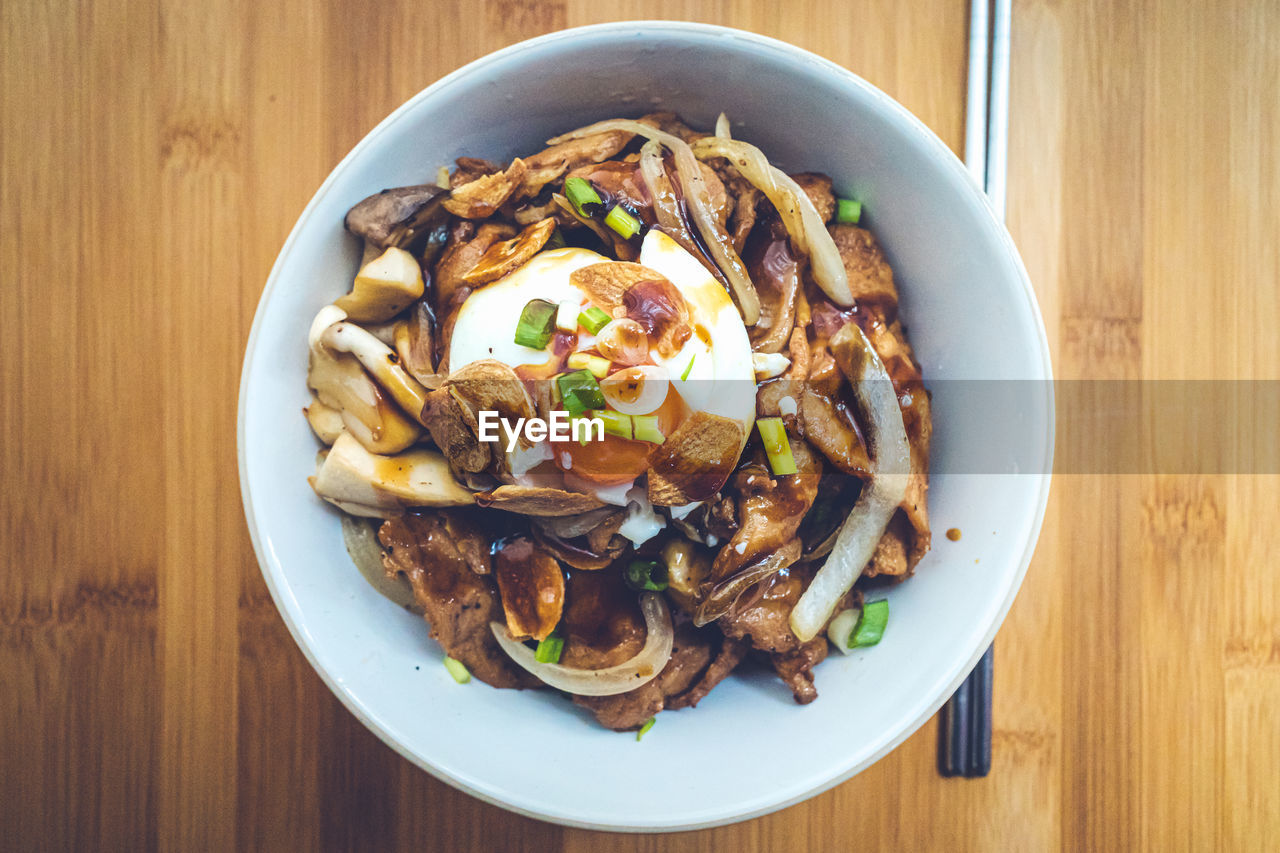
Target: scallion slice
776	446
581	195
848	211
567	316
622	222
556	240
646	429
550	649
593	319
598	365
646	575
457	669
615	423
579	391
648	724
537	324
688	367
870	627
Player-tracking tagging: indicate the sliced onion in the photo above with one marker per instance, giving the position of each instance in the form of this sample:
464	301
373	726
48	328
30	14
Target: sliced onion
890	471
694	186
794	206
624	677
636	390
724	595
623	341
361	539
665	206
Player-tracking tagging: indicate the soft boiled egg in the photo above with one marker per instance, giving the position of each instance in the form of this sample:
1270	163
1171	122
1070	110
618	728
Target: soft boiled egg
711	371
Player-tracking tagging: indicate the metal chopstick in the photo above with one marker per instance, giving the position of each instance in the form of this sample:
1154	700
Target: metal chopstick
965	745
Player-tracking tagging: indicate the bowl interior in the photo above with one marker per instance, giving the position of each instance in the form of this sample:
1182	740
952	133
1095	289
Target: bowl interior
970	313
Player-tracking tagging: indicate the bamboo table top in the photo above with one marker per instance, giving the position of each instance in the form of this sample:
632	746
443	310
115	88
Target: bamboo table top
153	157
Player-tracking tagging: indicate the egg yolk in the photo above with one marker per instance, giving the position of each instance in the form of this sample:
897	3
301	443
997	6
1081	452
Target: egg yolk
617	460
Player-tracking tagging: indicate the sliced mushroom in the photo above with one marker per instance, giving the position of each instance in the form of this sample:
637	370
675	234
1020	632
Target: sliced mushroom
687	568
326	421
550	163
695	461
606	282
413	340
396	217
538	500
480	198
342	384
349	474
509	255
531	585
383	288
381	362
453	428
491	386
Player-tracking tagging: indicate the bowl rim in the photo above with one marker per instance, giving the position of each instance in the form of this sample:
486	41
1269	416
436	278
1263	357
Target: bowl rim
913	719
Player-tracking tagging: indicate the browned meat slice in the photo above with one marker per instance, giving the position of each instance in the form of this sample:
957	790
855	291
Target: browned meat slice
439	552
870	279
818	188
602	624
796	668
770	509
766	625
700	659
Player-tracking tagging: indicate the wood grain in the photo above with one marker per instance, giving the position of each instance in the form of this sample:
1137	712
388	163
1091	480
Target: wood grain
153	156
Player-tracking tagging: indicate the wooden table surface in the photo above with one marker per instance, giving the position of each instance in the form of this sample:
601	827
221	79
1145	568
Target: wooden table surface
153	157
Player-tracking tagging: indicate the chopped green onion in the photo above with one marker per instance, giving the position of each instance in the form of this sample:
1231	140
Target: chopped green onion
556	240
579	391
567	316
580	194
598	365
537	324
585	436
623	223
776	446
593	319
648	724
840	630
457	670
870	628
848	211
646	429
615	423
549	650
688	367
646	575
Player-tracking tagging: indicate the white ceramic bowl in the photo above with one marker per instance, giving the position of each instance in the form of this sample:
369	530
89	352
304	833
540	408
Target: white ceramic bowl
971	314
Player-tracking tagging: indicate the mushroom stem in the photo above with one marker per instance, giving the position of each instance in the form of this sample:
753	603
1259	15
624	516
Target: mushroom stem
381	362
